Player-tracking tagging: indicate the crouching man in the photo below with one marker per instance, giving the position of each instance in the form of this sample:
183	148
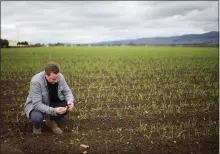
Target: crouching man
49	94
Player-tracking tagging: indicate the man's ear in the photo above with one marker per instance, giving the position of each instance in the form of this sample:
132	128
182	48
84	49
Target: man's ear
46	75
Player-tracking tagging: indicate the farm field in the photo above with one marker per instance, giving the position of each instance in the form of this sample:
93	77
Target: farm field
130	99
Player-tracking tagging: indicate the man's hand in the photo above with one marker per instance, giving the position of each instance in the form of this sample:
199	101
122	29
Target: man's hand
61	110
70	105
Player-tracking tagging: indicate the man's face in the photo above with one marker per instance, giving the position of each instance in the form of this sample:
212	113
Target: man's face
52	78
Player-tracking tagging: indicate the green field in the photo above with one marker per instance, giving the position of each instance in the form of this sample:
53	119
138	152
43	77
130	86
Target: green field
166	95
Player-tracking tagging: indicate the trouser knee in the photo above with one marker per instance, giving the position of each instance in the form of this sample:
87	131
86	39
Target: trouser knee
36	116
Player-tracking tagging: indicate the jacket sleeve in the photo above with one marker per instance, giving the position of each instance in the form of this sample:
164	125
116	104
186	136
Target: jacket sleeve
67	92
36	97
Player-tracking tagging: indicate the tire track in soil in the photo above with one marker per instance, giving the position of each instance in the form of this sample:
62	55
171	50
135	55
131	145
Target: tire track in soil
114	142
103	138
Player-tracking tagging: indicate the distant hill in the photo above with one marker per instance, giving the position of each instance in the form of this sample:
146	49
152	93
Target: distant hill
210	38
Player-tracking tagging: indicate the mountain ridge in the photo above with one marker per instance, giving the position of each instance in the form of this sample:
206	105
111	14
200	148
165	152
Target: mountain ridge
208	38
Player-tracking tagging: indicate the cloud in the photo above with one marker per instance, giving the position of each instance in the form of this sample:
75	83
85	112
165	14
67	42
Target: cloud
82	22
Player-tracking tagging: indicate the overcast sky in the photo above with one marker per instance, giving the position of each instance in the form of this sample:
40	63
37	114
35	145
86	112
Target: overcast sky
83	22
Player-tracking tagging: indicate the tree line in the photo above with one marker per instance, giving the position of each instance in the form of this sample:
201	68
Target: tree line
4	43
23	43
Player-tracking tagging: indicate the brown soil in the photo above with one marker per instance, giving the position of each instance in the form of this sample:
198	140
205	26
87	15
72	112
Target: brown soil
103	134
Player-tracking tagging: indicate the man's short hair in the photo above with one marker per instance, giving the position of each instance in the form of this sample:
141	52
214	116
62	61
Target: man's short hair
52	67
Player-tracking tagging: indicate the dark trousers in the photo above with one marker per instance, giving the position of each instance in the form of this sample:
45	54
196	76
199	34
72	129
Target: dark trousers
37	117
